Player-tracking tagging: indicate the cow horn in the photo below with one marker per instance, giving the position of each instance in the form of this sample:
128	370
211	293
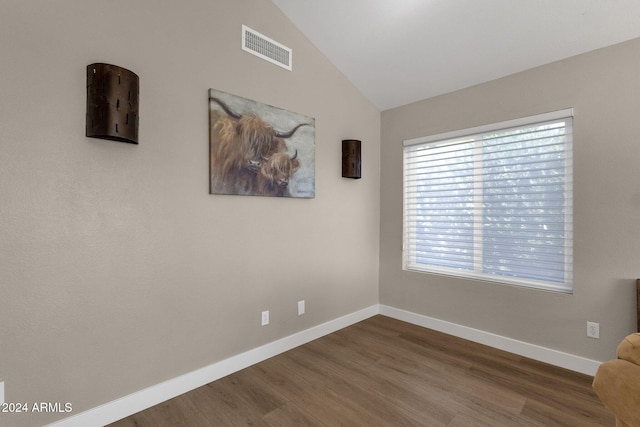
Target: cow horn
295	155
226	108
291	132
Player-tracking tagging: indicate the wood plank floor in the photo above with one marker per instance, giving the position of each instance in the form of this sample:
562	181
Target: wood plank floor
384	372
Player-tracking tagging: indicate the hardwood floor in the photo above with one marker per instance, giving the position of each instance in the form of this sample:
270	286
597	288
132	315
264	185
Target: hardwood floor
384	372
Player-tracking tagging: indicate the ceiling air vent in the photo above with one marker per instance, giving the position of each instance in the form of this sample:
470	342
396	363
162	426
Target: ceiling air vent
265	48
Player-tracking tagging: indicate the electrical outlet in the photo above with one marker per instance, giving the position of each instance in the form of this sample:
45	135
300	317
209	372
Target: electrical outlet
300	308
1	392
593	330
265	318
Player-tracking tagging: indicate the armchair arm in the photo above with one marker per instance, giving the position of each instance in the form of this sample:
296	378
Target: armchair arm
629	349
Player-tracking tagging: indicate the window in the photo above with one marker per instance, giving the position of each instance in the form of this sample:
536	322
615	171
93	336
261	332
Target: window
493	202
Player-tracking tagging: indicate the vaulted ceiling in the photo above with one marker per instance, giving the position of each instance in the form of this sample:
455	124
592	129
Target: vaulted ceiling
401	51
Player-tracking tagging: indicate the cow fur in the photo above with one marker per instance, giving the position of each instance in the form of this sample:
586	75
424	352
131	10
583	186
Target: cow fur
275	173
242	154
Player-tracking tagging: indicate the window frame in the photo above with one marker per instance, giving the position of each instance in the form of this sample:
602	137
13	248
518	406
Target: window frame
475	132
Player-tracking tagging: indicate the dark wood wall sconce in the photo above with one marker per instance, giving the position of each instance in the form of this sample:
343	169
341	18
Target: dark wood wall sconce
112	103
351	159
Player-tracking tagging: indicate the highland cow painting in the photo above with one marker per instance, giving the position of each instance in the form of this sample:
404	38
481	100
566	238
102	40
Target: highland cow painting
259	150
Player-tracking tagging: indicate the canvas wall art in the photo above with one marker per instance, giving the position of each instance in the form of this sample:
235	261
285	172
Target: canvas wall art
259	150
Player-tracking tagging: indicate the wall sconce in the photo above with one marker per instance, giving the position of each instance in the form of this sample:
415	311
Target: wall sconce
351	159
112	103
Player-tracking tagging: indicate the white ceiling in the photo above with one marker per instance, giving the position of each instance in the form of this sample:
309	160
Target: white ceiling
401	51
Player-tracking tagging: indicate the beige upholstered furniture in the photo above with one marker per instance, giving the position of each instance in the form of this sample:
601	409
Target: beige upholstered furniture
617	383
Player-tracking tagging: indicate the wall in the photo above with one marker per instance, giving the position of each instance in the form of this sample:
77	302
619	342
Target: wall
119	270
604	88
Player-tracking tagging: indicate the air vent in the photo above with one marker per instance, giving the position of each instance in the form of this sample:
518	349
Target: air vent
265	48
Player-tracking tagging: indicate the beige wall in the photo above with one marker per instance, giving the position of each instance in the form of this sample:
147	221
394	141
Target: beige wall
604	88
118	270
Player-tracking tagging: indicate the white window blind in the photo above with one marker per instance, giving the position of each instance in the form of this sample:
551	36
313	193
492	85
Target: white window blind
493	202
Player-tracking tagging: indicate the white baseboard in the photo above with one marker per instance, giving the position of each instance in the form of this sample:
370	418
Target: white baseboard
143	399
532	351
